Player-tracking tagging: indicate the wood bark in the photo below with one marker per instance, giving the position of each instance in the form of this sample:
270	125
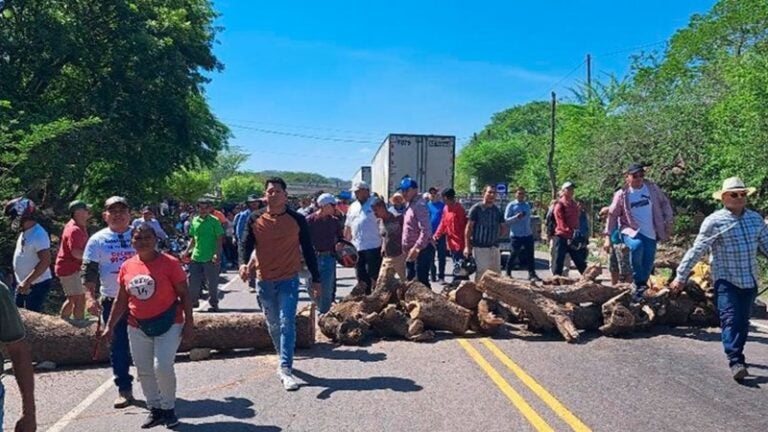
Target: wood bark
543	313
436	311
490	317
466	295
53	339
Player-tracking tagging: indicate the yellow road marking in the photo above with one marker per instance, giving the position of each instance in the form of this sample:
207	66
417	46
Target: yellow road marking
542	393
528	412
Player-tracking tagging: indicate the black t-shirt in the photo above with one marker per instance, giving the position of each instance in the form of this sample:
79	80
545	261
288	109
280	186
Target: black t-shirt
487	222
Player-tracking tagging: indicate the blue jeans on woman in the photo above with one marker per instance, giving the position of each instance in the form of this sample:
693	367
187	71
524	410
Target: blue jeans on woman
120	350
279	300
35	299
642	254
734	305
326	264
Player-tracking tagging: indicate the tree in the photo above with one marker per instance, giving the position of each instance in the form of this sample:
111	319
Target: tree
237	188
189	185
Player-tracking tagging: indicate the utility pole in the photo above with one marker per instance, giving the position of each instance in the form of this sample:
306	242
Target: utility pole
551	157
589	76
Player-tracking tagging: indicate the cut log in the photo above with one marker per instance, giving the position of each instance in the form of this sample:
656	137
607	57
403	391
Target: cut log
621	317
56	340
588	317
543	313
592	272
359	307
436	311
490	317
466	295
346	331
582	292
391	322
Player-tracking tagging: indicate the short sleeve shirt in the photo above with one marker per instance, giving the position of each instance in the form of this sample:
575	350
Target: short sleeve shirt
150	287
487	221
641	206
11	327
364	226
73	237
206	232
392	232
325	231
25	259
110	250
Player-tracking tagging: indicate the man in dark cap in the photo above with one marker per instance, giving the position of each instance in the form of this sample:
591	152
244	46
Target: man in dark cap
32	256
644	215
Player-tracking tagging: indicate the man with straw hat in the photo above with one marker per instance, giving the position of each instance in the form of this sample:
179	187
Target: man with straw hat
732	235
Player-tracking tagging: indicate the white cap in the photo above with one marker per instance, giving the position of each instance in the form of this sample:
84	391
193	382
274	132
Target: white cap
566	185
325	199
360	185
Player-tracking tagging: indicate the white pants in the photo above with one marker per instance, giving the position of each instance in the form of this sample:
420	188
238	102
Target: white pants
154	358
486	258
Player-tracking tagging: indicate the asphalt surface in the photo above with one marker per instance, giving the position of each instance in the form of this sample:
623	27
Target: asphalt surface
667	380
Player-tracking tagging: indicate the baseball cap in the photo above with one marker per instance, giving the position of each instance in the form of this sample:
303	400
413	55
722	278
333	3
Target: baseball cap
115	200
360	185
448	193
567	185
146	209
78	205
407	183
252	198
635	168
205	200
325	199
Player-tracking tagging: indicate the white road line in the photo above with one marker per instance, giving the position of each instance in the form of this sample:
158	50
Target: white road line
72	415
758	326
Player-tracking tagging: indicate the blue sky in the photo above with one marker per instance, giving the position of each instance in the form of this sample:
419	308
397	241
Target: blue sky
316	85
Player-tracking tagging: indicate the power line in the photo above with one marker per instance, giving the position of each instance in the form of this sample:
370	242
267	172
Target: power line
295	126
301	135
574	70
625	50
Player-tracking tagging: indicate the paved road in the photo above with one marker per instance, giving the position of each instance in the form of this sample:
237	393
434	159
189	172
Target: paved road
669	380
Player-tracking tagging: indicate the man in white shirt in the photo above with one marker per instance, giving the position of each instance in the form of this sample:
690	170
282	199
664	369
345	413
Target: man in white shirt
31	257
104	253
362	229
148	216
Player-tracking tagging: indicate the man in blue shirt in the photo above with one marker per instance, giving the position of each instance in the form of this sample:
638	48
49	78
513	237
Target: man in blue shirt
436	205
253	203
518	217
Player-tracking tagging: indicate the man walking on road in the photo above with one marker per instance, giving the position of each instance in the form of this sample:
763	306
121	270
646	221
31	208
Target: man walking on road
485	226
417	234
569	239
277	235
732	236
325	229
452	225
32	256
644	214
518	218
391	229
69	259
148	216
253	204
207	238
436	208
362	229
104	253
12	339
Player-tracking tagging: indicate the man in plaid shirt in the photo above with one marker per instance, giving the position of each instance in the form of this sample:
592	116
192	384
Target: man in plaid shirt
732	235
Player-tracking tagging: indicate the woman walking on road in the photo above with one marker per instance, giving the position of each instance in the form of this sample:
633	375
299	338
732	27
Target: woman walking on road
153	289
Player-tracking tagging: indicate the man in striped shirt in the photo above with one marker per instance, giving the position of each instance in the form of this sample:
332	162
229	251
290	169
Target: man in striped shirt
732	235
485	226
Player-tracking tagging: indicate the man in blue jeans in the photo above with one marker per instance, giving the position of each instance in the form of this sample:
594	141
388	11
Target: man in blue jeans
277	235
325	229
732	235
104	253
31	257
644	215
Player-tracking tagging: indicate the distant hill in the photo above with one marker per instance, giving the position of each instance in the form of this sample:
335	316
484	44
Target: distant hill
305	183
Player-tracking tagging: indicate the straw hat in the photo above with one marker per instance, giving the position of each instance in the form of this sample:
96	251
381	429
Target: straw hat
733	184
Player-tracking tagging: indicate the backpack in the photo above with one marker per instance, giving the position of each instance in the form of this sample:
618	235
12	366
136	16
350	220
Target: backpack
549	221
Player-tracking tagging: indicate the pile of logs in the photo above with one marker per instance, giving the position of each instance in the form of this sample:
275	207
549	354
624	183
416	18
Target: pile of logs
412	311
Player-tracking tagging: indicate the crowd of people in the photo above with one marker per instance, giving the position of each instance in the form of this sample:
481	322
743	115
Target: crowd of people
145	297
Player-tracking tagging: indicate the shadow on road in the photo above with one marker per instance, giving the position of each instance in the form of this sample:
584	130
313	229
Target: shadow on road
330	352
331	385
225	426
236	407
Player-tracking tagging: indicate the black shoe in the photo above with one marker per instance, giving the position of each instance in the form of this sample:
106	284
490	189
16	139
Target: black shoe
156	417
534	278
170	418
213	308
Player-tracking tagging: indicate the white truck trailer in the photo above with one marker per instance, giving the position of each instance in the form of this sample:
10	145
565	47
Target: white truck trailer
363	174
428	159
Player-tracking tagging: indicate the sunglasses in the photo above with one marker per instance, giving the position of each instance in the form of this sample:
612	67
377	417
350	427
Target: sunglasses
737	195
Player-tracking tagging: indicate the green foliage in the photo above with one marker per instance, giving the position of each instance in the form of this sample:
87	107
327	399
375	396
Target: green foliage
696	113
189	185
237	188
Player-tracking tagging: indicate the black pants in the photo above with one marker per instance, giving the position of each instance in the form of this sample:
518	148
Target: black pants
522	249
439	270
419	269
579	256
368	266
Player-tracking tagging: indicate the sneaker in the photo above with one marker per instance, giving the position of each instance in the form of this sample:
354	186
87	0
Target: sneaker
534	278
441	281
213	308
637	293
252	289
170	418
289	382
156	417
124	399
739	371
